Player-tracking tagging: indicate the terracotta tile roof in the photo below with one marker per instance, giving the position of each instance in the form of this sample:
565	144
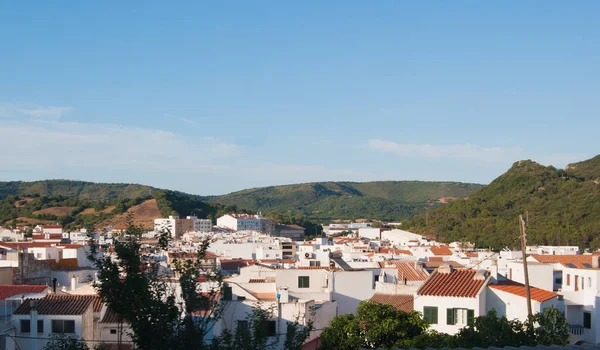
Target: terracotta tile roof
265	296
578	261
440	250
110	317
11	290
458	283
402	302
406	269
437	263
402	252
472	254
519	289
97	304
257	280
58	304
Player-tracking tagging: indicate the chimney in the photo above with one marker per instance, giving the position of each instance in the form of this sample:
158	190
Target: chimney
283	296
54	285
494	269
33	323
595	261
73	282
481	275
445	268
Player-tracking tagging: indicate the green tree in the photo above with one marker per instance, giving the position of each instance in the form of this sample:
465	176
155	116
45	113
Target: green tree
148	302
258	333
374	326
552	327
65	342
491	330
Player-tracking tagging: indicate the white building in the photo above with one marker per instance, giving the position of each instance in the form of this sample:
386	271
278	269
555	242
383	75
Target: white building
201	225
580	289
38	319
241	222
166	224
451	298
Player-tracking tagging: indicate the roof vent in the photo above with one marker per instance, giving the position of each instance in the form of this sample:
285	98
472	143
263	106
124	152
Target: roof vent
445	268
481	275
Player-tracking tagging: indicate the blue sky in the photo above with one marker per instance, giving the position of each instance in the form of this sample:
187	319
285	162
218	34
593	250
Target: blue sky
210	98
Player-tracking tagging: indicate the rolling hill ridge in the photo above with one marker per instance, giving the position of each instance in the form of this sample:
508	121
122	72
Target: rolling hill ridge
563	207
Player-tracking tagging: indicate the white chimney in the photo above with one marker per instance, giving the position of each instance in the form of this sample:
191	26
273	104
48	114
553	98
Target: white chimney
73	282
283	296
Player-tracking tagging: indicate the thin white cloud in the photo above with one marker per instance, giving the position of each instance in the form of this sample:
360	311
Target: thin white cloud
48	112
462	151
43	146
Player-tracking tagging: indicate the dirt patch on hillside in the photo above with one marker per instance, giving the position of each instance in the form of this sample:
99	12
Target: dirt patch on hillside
31	221
143	214
92	211
26	199
58	211
446	199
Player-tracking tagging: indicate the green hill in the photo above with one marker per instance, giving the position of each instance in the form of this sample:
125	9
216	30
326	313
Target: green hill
384	200
75	189
563	208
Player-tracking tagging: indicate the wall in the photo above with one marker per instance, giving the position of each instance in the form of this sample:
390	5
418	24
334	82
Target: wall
319	283
443	303
540	275
26	343
350	288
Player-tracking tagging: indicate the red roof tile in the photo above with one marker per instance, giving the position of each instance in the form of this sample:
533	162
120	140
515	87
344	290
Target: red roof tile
402	302
11	290
438	263
577	260
472	254
519	289
440	250
407	270
458	283
58	304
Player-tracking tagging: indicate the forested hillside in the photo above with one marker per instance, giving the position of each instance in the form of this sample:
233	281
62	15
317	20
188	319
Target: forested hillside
384	200
563	207
89	191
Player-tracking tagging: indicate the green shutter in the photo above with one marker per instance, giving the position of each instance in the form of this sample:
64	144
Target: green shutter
450	316
470	316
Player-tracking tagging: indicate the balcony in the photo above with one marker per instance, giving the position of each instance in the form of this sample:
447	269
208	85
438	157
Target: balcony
576	330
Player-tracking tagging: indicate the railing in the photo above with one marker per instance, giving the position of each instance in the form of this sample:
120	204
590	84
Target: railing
576	329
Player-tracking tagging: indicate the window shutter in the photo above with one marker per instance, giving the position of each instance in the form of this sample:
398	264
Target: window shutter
450	316
470	316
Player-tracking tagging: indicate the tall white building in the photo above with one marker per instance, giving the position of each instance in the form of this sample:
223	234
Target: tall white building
163	224
241	222
201	225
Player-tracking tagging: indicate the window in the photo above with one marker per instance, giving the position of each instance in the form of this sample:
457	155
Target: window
242	326
558	280
589	282
303	282
430	314
26	326
315	263
271	328
239	298
113	331
568	280
227	293
459	316
576	283
63	326
587	319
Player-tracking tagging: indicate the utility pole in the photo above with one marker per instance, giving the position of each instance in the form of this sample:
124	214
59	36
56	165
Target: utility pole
522	224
